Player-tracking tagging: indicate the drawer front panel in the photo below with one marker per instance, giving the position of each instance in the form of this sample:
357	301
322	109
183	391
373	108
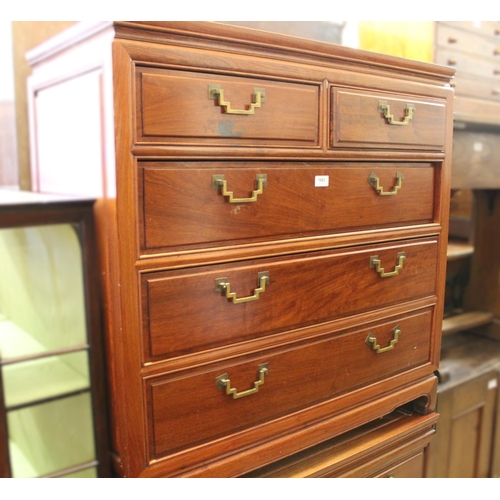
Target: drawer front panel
483	28
180	106
469	65
469	42
359	121
195	407
187	310
477	87
410	468
182	207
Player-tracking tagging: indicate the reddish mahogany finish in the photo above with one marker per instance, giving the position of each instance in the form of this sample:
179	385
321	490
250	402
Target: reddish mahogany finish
354	110
163	96
389	447
313	288
167	233
181	209
299	375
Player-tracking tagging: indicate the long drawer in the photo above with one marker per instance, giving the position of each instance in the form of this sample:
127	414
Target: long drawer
474	43
469	64
391	446
483	28
365	119
199	107
199	405
478	87
194	309
223	203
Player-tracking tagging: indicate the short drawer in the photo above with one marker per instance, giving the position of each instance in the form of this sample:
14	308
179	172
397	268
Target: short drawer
193	407
375	120
186	204
200	108
191	310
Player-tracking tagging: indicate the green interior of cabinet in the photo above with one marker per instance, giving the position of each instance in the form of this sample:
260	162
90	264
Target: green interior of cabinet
52	436
84	474
41	291
42	310
44	378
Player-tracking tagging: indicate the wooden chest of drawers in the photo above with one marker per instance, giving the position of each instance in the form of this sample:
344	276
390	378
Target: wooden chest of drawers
473	49
273	234
475	53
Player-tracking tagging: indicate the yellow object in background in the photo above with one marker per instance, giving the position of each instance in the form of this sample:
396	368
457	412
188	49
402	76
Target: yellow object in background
410	39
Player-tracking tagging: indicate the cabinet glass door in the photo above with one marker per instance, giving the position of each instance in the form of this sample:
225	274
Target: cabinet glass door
44	353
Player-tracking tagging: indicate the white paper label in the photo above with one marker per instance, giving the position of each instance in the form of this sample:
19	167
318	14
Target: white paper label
492	383
477	24
478	147
321	180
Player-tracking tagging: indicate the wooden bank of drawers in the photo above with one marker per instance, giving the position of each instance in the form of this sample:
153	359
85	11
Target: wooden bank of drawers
473	49
310	312
276	261
197	205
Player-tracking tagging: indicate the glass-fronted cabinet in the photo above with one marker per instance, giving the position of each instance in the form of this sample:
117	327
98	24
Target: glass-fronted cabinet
52	389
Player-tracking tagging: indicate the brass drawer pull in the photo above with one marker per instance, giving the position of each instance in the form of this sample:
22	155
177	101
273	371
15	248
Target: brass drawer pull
371	340
374	182
216	92
496	52
219	182
375	263
222	381
223	286
385	109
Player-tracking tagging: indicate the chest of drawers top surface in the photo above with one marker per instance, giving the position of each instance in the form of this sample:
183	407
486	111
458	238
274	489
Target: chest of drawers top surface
274	251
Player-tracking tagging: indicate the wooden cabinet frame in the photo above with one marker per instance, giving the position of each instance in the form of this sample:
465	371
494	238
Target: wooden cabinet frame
28	209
